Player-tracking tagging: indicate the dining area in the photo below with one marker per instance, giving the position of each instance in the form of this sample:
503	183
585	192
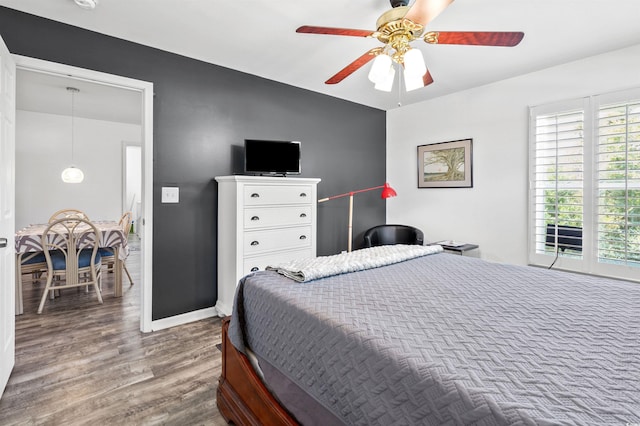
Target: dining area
70	251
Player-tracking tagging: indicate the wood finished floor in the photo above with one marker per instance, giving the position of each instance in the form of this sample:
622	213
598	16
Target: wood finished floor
82	363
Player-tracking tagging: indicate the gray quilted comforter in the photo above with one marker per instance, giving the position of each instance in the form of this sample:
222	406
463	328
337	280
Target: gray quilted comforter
451	340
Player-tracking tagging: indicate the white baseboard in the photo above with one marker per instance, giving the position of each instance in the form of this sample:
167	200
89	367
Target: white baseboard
183	318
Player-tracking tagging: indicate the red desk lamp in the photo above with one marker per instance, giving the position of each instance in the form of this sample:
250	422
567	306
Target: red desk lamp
387	192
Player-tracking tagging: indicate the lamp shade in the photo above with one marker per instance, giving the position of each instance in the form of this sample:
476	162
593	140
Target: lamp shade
380	68
87	4
388	191
72	175
386	84
414	63
412	82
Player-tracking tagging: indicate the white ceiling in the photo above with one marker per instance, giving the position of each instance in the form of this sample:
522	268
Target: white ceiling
46	93
258	37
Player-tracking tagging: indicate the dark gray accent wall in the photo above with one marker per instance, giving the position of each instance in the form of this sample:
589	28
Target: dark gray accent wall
202	114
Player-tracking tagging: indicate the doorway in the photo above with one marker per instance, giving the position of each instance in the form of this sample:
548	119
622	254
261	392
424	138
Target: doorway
132	182
143	90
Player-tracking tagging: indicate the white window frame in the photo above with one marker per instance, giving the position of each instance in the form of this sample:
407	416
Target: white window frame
589	262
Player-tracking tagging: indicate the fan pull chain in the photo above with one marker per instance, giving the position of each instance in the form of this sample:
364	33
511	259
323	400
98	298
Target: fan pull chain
399	88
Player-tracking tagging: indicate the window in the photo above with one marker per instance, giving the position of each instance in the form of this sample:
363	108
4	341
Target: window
618	183
584	198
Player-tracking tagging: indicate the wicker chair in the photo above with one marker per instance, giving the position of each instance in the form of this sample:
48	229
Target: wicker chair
108	255
68	213
71	250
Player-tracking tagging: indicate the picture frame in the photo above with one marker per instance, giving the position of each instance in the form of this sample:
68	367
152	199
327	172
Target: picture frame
446	164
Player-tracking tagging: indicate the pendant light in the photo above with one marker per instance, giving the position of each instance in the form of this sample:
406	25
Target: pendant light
72	174
87	4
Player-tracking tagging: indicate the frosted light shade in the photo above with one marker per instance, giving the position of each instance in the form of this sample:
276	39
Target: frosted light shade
386	84
87	4
72	175
380	68
414	63
412	82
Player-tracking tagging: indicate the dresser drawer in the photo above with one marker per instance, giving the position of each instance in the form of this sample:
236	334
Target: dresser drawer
276	216
277	239
260	195
259	263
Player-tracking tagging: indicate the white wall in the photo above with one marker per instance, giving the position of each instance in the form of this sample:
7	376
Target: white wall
43	150
493	213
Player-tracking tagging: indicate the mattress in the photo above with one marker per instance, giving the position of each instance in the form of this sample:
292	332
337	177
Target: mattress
450	340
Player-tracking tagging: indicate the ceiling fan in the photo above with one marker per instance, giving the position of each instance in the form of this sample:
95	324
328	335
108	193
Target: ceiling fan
396	29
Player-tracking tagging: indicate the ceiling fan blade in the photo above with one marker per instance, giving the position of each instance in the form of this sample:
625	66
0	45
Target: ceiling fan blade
508	39
308	29
427	79
353	66
425	11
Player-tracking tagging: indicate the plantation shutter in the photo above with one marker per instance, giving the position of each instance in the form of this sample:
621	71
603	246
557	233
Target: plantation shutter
557	182
618	183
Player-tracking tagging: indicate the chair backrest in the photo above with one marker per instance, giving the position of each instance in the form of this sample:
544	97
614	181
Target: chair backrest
68	213
125	222
77	240
393	234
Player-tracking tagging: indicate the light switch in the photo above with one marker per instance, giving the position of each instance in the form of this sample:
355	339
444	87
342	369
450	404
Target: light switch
170	194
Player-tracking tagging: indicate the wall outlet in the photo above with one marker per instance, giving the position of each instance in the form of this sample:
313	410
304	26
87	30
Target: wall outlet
170	194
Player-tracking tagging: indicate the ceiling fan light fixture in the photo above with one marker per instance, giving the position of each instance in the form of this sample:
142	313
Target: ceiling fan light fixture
414	63
386	84
380	68
412	82
87	4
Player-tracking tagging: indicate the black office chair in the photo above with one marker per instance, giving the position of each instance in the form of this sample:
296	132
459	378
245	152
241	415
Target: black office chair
393	234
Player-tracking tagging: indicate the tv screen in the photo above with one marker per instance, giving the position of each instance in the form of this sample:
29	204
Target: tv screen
271	157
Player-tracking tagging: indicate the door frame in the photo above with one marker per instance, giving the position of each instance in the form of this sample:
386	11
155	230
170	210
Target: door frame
126	206
146	230
7	215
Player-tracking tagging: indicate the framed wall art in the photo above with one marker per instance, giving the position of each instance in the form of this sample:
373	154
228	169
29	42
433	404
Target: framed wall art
445	165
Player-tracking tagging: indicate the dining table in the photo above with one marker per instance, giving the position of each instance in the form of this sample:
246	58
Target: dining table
29	240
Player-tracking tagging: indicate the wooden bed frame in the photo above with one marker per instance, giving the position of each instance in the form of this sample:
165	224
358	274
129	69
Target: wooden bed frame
242	398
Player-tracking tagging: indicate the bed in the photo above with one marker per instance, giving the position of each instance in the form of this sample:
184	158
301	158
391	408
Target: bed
436	339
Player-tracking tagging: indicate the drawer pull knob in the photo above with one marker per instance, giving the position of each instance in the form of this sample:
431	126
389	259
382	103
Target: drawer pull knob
254	243
255	218
255	195
303	215
303	237
255	268
303	194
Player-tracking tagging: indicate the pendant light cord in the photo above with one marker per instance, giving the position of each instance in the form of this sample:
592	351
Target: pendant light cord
72	174
73	97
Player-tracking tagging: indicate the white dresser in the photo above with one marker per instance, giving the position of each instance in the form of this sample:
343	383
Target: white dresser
261	220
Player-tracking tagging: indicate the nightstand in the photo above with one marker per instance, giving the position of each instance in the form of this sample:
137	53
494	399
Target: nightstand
454	246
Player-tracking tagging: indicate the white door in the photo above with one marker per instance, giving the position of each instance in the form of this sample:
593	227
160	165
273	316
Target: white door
7	217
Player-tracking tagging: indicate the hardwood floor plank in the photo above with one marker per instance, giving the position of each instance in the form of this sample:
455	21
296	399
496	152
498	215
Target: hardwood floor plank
82	363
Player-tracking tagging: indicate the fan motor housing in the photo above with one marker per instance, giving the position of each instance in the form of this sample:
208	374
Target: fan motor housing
392	24
398	3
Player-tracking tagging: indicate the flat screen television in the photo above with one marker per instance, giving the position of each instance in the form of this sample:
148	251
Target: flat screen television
264	157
